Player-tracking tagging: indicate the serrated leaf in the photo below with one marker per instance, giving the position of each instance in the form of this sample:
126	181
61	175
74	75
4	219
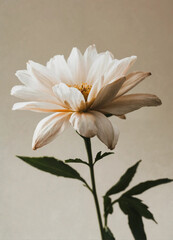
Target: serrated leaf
108	235
142	187
99	155
124	181
76	160
53	166
134	220
138	206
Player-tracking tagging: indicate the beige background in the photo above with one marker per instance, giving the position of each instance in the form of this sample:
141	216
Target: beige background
39	206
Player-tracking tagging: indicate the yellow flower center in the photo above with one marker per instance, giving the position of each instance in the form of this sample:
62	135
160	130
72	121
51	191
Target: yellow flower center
84	88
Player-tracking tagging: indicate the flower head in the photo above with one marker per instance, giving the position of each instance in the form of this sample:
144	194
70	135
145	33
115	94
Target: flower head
80	91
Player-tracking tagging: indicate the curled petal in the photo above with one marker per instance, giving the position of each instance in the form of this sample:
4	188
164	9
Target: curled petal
84	124
105	130
116	136
90	124
48	128
70	97
129	103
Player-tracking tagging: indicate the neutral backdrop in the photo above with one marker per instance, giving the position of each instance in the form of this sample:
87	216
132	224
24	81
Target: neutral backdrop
39	206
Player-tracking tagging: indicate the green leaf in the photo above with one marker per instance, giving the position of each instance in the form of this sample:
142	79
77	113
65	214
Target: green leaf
108	207
53	166
108	115
100	155
134	220
108	234
136	204
76	160
141	187
136	225
124	181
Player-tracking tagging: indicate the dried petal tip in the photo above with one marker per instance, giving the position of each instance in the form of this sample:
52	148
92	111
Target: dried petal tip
155	100
159	102
122	117
34	147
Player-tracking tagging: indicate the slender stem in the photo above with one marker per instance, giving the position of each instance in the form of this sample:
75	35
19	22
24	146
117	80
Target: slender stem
90	160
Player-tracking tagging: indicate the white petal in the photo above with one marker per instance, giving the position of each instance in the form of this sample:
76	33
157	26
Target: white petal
30	94
76	65
89	57
105	131
48	128
99	67
96	87
26	79
129	103
42	74
116	136
84	124
37	106
132	79
69	97
119	68
59	67
107	93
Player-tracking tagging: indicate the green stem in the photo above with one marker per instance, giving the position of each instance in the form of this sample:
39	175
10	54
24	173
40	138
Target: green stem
90	160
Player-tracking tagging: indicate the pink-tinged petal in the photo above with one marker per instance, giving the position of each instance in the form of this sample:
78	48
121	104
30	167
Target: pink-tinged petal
42	74
89	57
48	128
105	130
38	107
84	124
69	97
129	103
132	79
60	68
76	65
30	94
119	68
107	93
99	67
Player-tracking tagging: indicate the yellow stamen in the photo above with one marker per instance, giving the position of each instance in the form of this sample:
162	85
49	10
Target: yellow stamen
84	88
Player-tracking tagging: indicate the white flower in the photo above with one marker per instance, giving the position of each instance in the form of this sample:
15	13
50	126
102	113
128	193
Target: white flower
80	91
